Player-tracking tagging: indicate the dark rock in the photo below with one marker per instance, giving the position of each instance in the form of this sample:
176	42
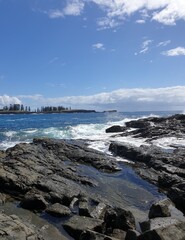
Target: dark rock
141	123
58	210
115	128
78	224
174	231
177	195
160	209
117	218
33	201
84	208
132	235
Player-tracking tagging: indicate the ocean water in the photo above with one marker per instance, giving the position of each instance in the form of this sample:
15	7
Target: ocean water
89	126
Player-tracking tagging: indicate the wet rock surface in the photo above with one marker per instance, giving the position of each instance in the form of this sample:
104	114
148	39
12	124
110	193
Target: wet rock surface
162	167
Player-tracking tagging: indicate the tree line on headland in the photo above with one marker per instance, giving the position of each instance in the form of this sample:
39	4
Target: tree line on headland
20	108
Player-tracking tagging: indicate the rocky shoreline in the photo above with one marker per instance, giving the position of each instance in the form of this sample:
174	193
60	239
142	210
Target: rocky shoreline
51	178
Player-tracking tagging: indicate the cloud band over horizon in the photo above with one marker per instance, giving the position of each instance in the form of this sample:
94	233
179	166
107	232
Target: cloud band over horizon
141	99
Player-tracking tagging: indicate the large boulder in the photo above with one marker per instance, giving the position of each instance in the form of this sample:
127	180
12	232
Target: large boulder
174	231
58	210
117	218
160	209
115	128
76	225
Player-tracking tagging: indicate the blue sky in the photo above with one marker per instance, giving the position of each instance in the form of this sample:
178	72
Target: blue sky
95	54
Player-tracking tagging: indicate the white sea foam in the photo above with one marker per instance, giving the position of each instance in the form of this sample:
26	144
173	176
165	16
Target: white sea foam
169	142
10	134
7	144
30	131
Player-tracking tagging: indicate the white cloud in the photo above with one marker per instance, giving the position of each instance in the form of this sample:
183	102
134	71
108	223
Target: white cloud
169	98
145	46
140	21
56	13
115	11
164	43
179	51
74	7
98	46
174	10
6	100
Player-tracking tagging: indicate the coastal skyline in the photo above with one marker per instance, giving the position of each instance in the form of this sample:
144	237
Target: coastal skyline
95	54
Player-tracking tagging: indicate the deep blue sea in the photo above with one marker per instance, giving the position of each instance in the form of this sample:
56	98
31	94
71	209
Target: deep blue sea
17	128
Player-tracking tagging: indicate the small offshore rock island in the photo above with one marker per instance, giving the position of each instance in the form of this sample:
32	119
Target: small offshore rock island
66	182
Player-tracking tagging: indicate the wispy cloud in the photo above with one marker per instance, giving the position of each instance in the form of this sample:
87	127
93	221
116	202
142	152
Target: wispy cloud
169	98
140	21
53	60
55	13
167	12
145	46
98	46
164	43
179	51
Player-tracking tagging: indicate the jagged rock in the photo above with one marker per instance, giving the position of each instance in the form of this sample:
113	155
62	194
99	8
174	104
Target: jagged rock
141	123
33	201
117	218
174	231
115	128
99	211
58	210
160	209
78	224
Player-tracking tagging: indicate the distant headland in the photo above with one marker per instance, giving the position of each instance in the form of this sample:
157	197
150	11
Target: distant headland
21	109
